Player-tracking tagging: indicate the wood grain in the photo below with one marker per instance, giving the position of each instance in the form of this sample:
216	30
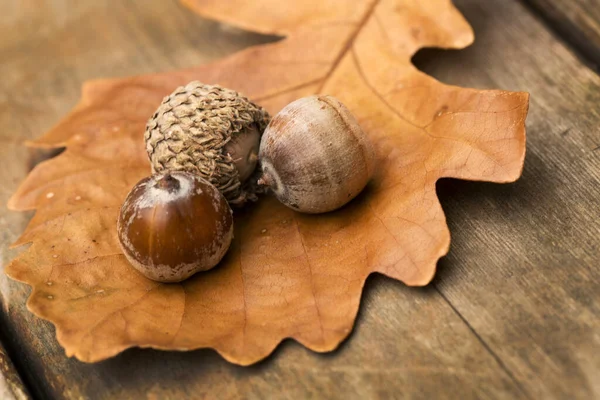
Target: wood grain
577	21
523	269
514	312
11	386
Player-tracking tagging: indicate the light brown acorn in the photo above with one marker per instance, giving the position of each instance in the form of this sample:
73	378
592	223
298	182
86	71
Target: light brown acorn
314	156
173	225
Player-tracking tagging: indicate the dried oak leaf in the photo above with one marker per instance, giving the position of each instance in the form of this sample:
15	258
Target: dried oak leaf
287	275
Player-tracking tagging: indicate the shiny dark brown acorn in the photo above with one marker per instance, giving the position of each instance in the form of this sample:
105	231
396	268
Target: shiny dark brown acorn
173	225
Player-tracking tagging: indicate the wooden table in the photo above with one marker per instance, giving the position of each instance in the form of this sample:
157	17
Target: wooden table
515	309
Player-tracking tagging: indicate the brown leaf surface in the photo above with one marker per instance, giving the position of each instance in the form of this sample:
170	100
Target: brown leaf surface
287	275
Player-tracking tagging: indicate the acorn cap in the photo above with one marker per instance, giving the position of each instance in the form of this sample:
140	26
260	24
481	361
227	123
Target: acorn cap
191	128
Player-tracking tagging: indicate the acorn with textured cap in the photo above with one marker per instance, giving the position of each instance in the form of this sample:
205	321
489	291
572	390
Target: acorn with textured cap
209	131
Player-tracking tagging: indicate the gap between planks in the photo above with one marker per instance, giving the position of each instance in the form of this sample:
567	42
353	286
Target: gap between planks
572	34
495	356
12	386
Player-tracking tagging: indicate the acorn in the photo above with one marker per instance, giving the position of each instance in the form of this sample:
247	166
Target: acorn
174	225
212	132
314	155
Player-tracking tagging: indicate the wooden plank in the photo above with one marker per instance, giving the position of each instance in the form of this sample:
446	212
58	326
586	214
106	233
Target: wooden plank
11	385
523	268
578	21
496	324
